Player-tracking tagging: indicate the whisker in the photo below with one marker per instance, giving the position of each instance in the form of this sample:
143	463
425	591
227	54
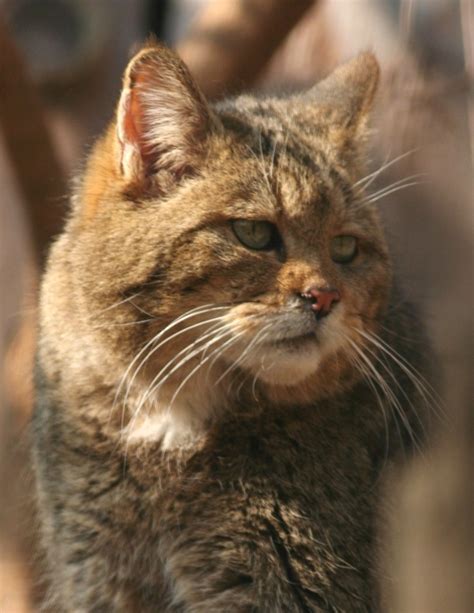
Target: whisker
387	391
164	342
243	375
116	304
219	351
424	388
265	174
373	175
188	354
272	162
139	308
392	376
368	377
211	365
382	190
245	352
156	383
123	324
254	384
392	191
183	317
260	161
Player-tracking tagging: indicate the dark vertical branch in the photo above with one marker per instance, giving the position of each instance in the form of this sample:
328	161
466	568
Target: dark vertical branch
29	147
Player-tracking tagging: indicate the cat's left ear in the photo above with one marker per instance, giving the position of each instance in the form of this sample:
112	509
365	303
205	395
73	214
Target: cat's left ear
346	96
162	120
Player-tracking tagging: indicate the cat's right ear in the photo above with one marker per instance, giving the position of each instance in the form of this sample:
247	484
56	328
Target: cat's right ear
344	99
163	120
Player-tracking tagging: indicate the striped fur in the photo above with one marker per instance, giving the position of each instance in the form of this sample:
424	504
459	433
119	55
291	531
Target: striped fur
196	448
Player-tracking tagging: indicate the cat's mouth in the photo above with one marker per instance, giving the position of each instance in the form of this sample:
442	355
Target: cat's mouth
287	346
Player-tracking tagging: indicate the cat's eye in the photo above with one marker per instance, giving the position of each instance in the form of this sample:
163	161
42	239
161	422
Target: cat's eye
255	234
343	249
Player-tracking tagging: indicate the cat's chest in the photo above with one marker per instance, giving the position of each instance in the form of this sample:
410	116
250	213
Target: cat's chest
252	499
258	499
241	467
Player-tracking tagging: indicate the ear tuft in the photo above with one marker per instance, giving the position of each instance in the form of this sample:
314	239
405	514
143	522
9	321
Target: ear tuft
162	117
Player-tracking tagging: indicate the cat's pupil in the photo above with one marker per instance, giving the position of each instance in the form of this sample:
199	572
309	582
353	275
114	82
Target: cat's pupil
255	234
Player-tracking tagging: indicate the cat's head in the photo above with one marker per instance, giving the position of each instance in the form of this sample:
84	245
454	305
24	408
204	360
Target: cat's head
212	245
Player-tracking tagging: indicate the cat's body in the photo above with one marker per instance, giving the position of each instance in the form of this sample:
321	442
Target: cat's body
205	439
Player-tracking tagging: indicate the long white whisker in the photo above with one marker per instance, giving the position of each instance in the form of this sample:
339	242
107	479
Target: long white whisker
157	383
139	308
404	180
245	352
254	384
191	313
220	350
211	365
164	342
423	386
185	354
386	389
183	317
425	390
123	324
368	378
394	379
373	175
116	304
392	191
374	376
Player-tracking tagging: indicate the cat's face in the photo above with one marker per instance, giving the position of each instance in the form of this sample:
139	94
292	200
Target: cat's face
210	244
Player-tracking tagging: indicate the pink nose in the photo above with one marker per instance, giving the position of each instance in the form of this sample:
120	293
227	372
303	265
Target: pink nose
322	300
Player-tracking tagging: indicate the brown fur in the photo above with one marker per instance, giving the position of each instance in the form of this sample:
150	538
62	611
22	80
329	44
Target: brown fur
244	489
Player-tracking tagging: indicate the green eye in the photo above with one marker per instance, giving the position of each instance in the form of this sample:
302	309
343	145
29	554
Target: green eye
255	234
343	249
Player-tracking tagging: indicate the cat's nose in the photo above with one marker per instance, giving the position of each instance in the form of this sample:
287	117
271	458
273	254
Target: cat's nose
322	299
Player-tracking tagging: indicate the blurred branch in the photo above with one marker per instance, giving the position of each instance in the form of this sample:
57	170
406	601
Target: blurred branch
231	42
29	147
467	27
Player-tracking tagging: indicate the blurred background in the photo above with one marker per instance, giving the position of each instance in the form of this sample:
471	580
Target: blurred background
60	70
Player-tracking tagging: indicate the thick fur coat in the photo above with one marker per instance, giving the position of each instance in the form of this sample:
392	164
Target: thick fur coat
215	410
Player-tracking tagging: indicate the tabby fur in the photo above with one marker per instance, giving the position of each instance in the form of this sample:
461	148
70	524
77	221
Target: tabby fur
249	480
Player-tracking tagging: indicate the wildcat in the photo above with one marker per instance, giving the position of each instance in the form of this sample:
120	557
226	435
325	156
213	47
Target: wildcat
225	366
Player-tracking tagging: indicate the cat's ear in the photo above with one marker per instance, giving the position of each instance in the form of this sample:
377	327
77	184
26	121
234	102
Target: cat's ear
346	96
162	118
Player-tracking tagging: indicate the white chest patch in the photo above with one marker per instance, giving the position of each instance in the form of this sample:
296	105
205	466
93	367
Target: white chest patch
178	426
172	430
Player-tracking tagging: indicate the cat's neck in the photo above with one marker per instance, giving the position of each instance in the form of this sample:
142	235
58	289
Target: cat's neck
181	420
176	421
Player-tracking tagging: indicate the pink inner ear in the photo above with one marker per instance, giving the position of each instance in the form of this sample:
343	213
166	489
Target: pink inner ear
129	127
163	120
134	125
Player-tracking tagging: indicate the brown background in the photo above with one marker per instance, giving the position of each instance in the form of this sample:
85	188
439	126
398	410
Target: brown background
426	49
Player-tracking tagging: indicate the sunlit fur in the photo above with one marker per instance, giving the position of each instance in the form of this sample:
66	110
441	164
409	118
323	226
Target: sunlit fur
167	346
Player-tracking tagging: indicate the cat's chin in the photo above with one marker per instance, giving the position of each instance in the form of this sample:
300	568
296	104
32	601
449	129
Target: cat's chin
288	375
291	360
289	367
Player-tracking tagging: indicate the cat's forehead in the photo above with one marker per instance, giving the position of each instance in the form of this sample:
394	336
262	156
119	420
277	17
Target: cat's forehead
275	169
